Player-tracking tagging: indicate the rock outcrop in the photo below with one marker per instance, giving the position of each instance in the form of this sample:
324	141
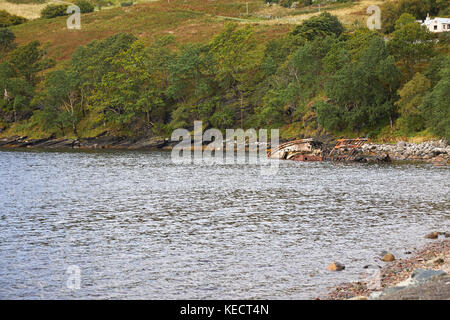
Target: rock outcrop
437	152
99	142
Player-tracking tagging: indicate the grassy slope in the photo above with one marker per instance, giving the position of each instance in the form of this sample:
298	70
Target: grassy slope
190	21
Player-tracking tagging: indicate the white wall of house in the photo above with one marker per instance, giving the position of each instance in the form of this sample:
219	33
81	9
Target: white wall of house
437	24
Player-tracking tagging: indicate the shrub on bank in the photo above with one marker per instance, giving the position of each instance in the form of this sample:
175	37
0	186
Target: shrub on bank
26	1
126	4
7	19
85	6
54	10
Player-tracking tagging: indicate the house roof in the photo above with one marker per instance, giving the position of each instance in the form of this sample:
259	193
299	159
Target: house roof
438	20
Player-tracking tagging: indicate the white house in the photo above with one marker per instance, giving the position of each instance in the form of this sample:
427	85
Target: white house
437	24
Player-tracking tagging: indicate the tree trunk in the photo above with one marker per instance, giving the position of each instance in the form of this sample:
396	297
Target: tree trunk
74	127
242	110
83	111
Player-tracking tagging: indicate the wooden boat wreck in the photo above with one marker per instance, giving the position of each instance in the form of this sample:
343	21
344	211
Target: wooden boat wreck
347	150
298	150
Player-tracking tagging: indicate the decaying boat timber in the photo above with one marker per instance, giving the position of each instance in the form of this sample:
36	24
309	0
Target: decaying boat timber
349	150
298	150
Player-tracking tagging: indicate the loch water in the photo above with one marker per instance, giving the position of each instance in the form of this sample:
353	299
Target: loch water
135	225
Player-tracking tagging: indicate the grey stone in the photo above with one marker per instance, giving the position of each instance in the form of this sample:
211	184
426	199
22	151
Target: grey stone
421	275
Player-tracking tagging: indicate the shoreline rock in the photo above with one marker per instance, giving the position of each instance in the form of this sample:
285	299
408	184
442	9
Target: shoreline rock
99	142
336	266
388	257
432	235
437	152
425	275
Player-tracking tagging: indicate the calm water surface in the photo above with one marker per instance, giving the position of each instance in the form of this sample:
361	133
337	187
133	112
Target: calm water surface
140	227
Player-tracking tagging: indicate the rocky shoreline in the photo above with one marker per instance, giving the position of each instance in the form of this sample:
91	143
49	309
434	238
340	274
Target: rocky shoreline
437	152
423	276
99	142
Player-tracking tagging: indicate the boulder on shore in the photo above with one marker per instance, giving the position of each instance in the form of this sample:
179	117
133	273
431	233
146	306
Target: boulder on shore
432	235
388	257
336	266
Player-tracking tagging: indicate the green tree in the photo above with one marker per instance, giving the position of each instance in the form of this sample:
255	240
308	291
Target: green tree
275	54
54	10
435	106
411	44
433	71
85	6
409	104
133	88
7	42
90	63
236	58
322	25
390	14
417	8
192	86
362	93
61	101
16	93
189	75
295	84
28	60
7	19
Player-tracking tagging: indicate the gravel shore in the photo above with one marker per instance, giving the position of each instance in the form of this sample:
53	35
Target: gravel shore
398	274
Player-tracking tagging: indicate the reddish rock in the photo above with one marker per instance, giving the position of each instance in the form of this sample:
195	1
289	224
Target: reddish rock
336	266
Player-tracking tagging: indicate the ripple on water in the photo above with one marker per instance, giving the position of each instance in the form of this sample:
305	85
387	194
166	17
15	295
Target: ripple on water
139	226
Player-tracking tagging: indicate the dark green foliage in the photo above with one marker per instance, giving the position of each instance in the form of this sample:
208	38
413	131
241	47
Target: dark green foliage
436	106
362	93
28	60
275	54
85	6
433	72
322	25
93	61
16	93
18	76
126	4
7	43
133	88
411	98
299	79
410	44
54	10
7	19
61	108
26	1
